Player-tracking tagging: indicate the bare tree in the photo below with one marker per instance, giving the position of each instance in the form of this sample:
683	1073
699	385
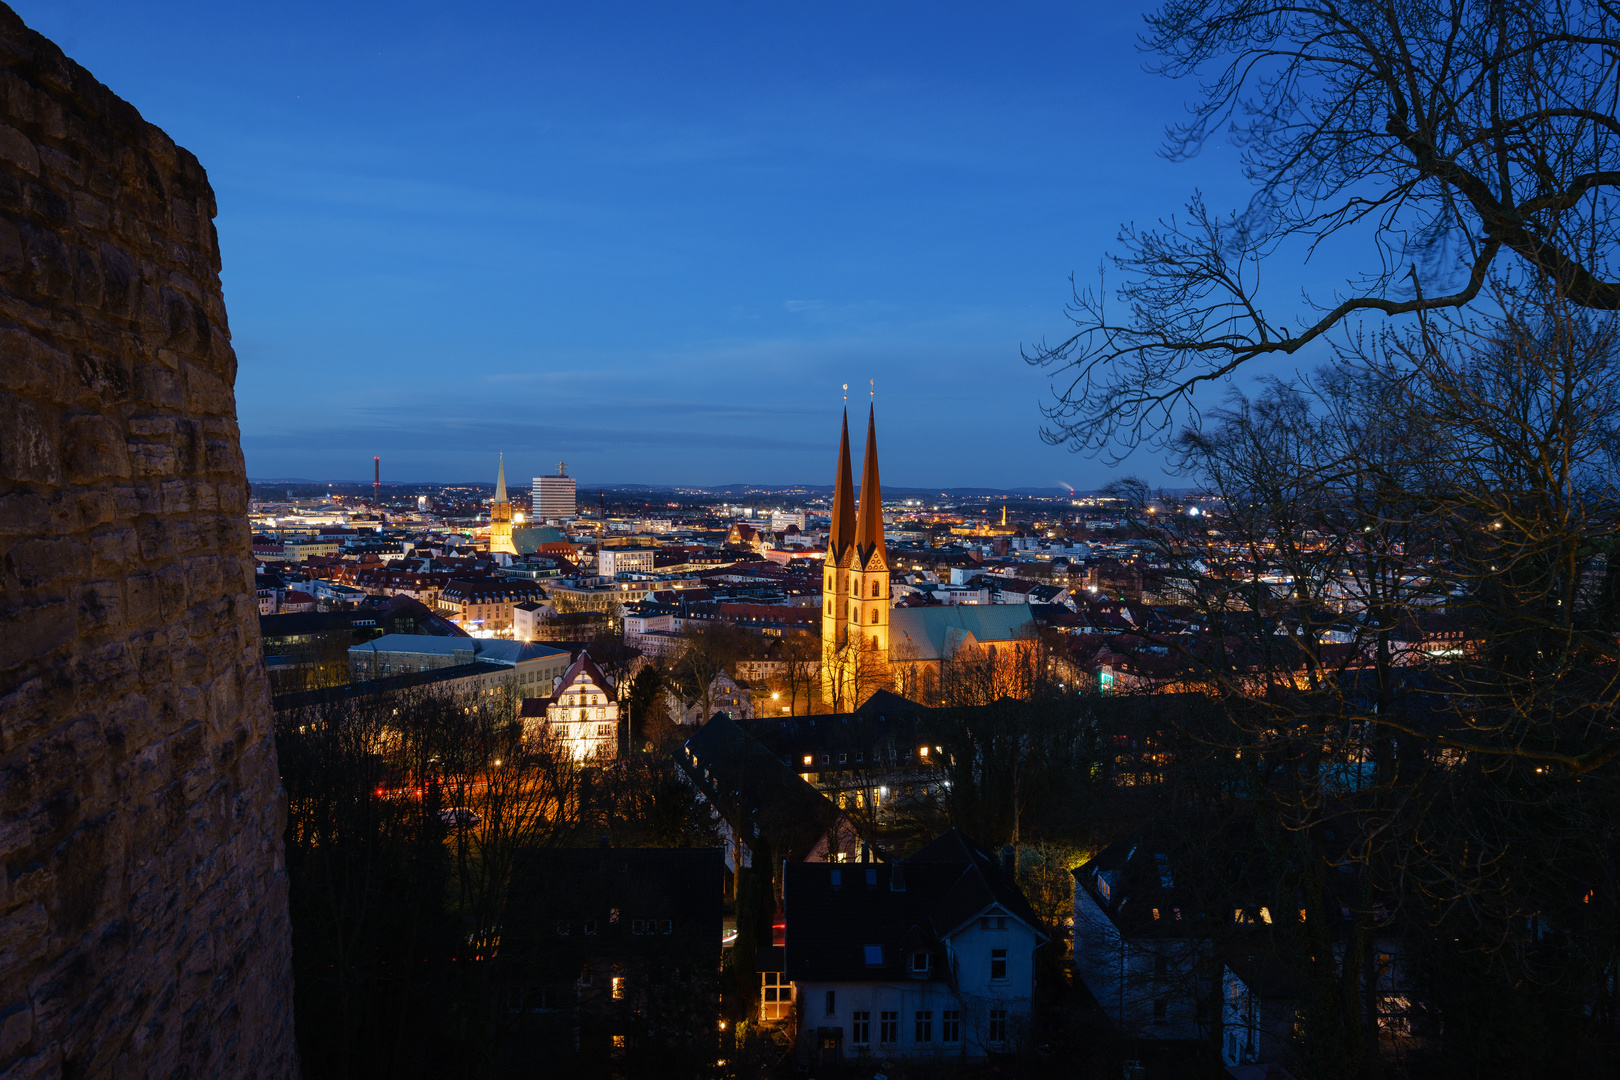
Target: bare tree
1452	141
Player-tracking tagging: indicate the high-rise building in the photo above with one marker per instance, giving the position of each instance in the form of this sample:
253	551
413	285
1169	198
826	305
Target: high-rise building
554	495
500	515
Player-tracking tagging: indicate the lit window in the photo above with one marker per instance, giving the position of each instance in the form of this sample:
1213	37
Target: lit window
618	987
809	759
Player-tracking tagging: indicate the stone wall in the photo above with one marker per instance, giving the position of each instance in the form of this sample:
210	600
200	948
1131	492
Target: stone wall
143	910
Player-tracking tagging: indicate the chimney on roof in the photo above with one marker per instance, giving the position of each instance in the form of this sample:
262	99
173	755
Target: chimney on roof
1009	861
897	875
863	851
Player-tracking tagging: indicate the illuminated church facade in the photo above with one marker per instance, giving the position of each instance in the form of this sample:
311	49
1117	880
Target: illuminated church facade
866	643
855	583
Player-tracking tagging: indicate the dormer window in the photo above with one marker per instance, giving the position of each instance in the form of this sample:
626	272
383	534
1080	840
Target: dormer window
920	964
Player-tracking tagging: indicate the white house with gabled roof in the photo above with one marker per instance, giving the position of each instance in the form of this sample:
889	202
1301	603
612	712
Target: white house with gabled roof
933	956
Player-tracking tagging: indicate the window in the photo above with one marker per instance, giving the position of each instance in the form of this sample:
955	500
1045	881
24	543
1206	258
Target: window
618	987
874	956
613	915
826	759
889	1027
925	1027
919	963
871	877
832	1003
993	922
837	878
590	927
998	965
860	756
638	926
874	616
861	1029
809	759
950	1026
998	1027
669	926
874	588
775	996
843	758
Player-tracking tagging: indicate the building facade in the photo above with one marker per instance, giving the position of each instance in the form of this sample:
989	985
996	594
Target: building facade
486	605
611	562
932	957
583	714
554	496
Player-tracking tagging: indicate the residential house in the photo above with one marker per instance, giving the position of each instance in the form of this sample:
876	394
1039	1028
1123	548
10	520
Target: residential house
1142	942
724	695
582	713
758	801
931	956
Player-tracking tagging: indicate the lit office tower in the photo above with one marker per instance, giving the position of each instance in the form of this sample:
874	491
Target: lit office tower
554	495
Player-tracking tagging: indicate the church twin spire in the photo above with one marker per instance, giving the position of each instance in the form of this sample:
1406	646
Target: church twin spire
858	533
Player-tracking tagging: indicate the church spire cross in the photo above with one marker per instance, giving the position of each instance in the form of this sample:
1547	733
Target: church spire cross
869	528
842	533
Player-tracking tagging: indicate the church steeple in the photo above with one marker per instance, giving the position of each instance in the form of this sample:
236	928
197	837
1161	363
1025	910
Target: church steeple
841	535
500	515
869	528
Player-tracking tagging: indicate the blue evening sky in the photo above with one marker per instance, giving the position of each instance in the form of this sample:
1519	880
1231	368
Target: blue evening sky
651	239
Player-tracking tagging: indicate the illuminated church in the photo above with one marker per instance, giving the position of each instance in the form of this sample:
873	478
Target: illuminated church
855	590
500	516
866	644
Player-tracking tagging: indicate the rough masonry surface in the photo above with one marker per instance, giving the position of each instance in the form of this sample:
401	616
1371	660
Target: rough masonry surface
143	900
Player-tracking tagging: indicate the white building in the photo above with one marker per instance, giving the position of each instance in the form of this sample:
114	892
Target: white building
529	619
611	562
554	496
583	714
930	957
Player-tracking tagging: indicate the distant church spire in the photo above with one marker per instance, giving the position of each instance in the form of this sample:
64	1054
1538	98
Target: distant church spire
500	482
869	529
842	533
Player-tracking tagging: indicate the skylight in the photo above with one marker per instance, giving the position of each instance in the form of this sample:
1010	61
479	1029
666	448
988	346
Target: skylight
874	956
